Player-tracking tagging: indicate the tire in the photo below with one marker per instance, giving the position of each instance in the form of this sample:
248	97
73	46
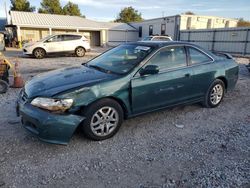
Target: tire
39	53
107	127
80	52
4	86
215	94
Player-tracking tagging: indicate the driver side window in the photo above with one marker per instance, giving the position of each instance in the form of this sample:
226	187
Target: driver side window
169	58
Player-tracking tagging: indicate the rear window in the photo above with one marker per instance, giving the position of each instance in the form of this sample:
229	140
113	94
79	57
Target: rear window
161	39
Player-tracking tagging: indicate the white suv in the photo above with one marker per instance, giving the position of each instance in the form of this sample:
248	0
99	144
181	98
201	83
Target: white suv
66	43
158	38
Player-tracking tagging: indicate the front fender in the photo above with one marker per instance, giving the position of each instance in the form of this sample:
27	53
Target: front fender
116	89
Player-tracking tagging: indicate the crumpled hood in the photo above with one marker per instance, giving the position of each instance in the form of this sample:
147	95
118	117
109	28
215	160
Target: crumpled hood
61	80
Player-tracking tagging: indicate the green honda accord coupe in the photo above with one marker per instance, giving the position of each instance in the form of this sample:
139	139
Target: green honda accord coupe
126	81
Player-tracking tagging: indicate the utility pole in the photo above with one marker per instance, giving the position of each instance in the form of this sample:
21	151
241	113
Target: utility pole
6	12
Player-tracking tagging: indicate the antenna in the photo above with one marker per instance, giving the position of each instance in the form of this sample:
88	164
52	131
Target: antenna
163	14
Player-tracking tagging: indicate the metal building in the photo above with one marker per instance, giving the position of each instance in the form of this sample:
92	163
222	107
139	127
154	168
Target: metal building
172	25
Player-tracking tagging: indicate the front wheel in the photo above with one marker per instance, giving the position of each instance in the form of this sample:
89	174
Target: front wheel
214	94
39	53
103	119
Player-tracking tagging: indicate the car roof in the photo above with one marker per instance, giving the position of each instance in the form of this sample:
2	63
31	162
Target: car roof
67	34
160	44
160	36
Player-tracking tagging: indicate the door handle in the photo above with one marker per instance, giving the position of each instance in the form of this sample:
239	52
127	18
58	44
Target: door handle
187	75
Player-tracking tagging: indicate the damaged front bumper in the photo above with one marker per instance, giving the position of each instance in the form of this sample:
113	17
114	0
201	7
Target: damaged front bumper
48	127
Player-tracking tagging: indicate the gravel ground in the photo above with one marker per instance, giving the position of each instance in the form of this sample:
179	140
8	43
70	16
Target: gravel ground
188	146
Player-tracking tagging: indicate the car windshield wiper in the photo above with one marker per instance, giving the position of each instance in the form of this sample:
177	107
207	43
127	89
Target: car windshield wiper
98	68
101	69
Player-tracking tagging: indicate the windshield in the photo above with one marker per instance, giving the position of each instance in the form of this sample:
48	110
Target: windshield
121	59
45	38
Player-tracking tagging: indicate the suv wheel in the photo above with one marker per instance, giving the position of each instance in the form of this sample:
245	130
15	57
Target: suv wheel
103	119
80	52
39	53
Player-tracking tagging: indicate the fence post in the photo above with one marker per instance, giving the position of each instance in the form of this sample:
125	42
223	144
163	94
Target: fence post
189	36
213	40
246	41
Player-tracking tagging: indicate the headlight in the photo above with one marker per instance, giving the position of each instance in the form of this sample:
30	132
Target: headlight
27	45
55	105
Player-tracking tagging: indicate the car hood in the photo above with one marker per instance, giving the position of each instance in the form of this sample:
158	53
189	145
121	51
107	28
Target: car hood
61	80
30	44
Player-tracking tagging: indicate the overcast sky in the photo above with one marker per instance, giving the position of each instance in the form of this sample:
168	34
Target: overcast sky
107	10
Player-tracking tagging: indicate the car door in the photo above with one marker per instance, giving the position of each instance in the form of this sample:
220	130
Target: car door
171	85
203	71
54	44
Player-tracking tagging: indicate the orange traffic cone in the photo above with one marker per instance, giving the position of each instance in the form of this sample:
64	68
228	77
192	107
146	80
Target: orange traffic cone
18	80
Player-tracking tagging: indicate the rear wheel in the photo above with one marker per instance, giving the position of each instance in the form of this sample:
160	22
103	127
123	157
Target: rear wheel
3	86
103	119
214	94
39	53
80	52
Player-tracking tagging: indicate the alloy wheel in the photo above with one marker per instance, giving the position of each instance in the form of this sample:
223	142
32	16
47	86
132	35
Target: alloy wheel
80	52
39	53
216	94
104	121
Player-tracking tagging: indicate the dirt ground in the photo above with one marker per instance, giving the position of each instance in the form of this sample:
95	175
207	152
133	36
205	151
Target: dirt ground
188	146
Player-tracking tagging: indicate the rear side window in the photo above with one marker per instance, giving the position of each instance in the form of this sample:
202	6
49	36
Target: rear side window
197	56
169	58
72	37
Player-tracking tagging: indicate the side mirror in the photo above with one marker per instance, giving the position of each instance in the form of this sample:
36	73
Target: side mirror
149	69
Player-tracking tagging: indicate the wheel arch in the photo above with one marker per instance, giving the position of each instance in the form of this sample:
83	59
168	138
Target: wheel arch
122	104
38	48
116	99
81	47
224	80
